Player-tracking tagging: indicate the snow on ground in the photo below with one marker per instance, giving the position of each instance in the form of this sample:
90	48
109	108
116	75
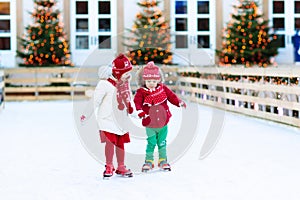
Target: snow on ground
41	158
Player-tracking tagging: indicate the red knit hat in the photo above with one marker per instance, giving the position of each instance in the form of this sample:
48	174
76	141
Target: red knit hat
120	66
151	71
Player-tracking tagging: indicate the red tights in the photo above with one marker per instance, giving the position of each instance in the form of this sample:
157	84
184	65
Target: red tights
109	153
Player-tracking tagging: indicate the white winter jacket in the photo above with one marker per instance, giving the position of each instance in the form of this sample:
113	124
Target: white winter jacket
105	107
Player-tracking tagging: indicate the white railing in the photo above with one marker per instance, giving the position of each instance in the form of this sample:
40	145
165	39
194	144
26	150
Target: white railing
268	93
57	83
252	91
1	89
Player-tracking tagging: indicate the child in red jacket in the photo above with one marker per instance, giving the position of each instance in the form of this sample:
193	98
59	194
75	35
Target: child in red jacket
151	104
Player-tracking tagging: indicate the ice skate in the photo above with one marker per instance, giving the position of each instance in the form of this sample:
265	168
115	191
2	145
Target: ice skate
147	166
123	171
164	165
109	171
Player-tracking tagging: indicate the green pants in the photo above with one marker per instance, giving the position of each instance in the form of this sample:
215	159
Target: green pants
156	136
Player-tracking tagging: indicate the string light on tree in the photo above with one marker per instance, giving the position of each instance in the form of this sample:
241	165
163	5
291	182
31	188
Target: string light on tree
150	36
45	43
246	39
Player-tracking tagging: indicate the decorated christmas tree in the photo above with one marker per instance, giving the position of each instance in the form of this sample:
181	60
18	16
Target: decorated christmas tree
246	39
149	39
45	43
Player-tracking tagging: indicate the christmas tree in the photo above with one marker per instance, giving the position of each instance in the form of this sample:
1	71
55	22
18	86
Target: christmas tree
246	39
149	39
45	42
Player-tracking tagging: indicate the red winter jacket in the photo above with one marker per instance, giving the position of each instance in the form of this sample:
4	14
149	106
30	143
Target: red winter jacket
159	114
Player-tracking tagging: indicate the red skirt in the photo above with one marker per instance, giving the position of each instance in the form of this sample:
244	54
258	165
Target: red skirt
114	138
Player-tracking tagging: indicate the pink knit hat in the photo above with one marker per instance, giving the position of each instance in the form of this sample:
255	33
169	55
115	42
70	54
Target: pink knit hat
120	66
151	71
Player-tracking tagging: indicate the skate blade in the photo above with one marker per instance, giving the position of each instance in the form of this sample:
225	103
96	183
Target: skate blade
166	169
125	175
106	177
128	176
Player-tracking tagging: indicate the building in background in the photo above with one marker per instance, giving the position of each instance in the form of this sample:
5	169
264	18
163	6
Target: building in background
96	27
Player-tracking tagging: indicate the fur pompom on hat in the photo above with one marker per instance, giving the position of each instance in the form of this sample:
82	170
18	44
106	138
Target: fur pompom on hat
120	66
151	71
104	72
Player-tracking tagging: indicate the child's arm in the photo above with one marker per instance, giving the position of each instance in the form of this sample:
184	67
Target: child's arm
94	102
138	100
173	98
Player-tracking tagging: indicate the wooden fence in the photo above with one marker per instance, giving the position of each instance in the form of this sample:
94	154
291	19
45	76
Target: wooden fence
60	83
1	89
268	93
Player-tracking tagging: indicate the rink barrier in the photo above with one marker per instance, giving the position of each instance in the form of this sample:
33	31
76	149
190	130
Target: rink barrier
262	99
61	83
1	89
236	89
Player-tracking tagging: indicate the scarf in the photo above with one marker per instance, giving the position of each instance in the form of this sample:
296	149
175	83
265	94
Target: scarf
123	94
156	96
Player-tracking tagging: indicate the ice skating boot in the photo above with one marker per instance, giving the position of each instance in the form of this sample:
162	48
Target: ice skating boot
109	171
164	165
123	171
149	164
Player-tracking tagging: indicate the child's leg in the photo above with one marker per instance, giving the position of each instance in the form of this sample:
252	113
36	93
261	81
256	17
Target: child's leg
122	170
151	143
120	154
109	152
162	143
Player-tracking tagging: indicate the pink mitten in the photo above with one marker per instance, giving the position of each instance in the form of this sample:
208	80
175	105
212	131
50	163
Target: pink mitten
182	104
82	118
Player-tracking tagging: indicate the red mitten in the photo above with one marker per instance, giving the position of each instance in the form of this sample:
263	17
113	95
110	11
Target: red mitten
129	108
146	121
142	114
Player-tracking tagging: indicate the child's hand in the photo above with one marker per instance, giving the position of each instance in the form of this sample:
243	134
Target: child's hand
142	115
82	118
182	104
130	108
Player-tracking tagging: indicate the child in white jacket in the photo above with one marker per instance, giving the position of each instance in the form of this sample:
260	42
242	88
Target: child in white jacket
112	90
